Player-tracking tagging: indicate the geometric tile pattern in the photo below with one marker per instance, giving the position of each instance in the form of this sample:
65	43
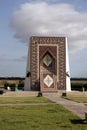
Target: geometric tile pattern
47	60
48	80
34	58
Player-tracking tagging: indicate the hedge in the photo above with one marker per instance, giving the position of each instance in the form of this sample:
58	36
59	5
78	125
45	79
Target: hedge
79	86
20	86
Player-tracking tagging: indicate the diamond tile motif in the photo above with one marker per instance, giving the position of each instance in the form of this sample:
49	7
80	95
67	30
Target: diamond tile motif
47	60
48	80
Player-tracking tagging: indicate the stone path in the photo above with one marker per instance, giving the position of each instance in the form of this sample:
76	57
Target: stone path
77	108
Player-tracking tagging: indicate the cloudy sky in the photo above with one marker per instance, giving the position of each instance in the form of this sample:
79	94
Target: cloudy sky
20	19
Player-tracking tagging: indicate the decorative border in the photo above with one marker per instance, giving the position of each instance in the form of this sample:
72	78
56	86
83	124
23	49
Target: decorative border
53	51
35	42
57	57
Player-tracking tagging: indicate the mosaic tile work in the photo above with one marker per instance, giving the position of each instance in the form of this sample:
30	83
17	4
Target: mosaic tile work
48	80
39	46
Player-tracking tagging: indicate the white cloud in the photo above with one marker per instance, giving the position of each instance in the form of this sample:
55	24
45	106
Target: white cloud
41	18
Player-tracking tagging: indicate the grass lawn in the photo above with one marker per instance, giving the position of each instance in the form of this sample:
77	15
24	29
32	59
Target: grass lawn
16	100
77	99
38	117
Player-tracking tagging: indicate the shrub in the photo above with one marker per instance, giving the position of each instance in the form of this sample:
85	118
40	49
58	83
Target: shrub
79	86
12	86
64	94
39	94
1	91
85	86
21	86
6	85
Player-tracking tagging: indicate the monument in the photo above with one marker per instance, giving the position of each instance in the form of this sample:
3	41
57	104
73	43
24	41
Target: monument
47	65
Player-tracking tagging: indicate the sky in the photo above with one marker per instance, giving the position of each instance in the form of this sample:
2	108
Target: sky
20	19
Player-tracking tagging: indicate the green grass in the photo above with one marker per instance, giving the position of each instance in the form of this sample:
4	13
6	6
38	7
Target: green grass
38	117
77	99
48	117
16	100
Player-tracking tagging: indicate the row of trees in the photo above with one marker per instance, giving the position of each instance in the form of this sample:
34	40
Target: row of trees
79	86
20	86
13	86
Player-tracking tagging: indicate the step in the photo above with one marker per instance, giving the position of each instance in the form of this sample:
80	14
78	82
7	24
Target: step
20	94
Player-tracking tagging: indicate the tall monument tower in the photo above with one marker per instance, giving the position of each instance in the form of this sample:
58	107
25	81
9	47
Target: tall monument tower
47	65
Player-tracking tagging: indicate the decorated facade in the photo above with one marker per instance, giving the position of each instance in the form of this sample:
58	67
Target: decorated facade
47	65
